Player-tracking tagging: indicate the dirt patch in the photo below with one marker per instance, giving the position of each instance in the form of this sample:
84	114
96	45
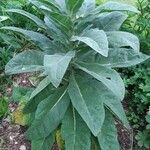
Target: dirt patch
125	137
12	137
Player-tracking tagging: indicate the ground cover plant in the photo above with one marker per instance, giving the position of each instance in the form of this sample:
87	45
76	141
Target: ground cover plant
137	78
76	49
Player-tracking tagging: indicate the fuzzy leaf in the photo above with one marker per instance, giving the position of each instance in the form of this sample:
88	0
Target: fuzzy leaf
89	107
114	104
49	114
75	132
62	21
40	39
119	39
110	21
110	78
117	57
122	57
116	6
54	32
27	61
43	90
56	66
87	7
43	144
96	39
108	136
34	18
62	4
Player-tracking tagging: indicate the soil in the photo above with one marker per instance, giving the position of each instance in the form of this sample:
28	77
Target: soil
12	136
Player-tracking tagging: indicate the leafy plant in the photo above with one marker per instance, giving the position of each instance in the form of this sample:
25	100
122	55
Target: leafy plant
137	78
143	139
18	116
144	136
140	25
78	46
3	106
137	83
21	93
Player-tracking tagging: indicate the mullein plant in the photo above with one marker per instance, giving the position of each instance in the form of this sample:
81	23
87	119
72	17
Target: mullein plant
77	48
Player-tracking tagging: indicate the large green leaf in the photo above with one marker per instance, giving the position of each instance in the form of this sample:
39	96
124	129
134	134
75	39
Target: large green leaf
43	144
87	7
121	39
107	76
114	104
51	4
86	99
110	21
34	18
43	90
74	5
40	39
117	57
49	114
116	6
108	136
56	66
122	57
96	39
39	4
47	4
75	132
27	61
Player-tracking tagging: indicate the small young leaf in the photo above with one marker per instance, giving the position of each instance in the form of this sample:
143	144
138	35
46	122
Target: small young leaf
54	31
27	61
74	5
62	21
56	66
75	132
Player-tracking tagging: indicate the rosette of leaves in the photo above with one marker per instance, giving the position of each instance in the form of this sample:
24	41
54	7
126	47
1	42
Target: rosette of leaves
77	48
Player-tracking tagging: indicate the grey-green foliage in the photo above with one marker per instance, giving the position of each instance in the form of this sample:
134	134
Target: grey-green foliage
76	51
